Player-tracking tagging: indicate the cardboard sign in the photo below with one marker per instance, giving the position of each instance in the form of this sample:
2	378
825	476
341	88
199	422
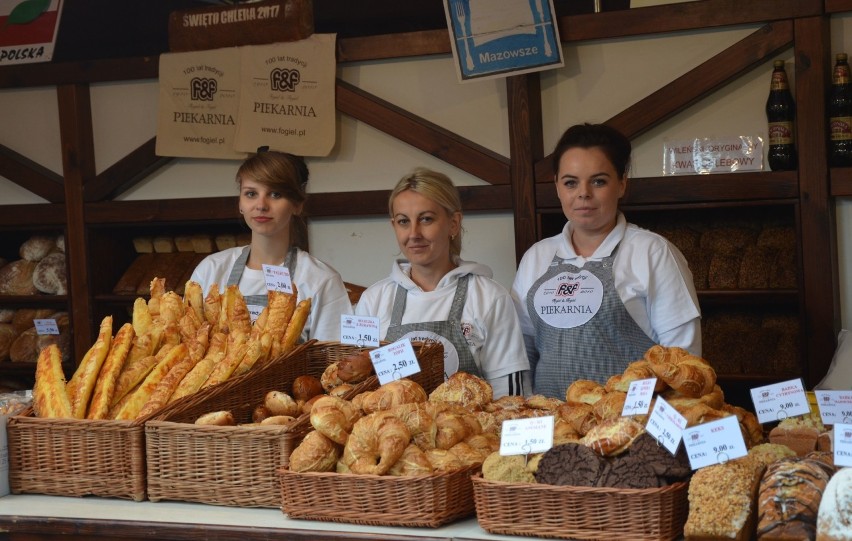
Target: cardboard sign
28	30
713	155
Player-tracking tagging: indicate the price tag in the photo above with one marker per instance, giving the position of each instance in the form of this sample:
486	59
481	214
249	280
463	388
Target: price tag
842	444
666	424
715	442
525	436
834	406
361	331
277	278
46	326
394	361
639	396
780	400
254	311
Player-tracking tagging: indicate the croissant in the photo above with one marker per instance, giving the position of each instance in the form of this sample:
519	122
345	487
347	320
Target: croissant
413	462
334	418
315	453
580	417
584	391
465	390
690	375
564	432
610	406
420	423
403	391
452	429
443	460
486	443
376	443
467	454
635	371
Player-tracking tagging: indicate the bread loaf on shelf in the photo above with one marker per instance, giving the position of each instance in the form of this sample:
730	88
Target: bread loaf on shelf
7	336
37	247
202	244
49	275
16	278
143	245
164	245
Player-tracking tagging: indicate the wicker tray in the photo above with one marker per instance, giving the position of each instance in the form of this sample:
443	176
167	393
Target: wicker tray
581	512
76	457
378	500
237	465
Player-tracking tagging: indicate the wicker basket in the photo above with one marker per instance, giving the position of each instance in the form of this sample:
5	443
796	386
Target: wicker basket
581	512
76	457
378	500
237	465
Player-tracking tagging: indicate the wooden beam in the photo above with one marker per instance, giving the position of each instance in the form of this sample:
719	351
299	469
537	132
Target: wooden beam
523	94
819	279
126	173
421	43
422	134
31	176
680	17
95	71
78	165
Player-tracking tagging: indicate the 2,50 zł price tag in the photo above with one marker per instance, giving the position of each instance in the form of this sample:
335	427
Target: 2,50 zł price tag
525	436
394	361
715	442
666	425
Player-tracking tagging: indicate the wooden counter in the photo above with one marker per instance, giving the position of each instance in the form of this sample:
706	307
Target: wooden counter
32	517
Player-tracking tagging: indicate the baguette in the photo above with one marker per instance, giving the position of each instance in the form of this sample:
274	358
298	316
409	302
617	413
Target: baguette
156	290
142	320
212	307
105	385
141	395
201	371
49	396
257	352
296	325
83	380
193	298
237	346
166	387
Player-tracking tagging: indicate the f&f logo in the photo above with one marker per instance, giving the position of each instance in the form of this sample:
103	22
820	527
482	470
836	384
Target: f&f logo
202	89
567	290
284	80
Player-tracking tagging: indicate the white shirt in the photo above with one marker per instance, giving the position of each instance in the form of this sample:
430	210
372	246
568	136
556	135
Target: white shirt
313	278
489	321
651	276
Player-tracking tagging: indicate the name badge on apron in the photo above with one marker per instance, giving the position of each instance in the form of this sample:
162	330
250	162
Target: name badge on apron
569	299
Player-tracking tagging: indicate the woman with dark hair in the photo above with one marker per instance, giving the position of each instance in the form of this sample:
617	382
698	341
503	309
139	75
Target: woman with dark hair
272	196
434	294
596	296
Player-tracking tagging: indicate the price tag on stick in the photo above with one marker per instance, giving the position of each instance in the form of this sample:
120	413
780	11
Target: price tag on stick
361	331
715	442
525	436
277	278
780	400
842	444
666	424
46	326
834	406
639	396
394	361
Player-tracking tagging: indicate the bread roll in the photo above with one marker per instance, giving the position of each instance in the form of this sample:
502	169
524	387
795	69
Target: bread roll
16	278
49	274
315	453
217	418
37	247
584	391
25	347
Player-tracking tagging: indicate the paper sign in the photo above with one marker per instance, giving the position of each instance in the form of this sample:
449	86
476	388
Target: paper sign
277	278
254	311
394	361
639	396
834	406
713	155
361	331
780	400
715	442
525	436
46	326
666	424
842	444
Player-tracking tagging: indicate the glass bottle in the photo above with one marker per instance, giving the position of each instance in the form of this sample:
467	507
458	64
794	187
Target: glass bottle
781	116
840	115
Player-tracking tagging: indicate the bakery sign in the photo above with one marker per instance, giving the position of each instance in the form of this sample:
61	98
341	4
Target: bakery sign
28	30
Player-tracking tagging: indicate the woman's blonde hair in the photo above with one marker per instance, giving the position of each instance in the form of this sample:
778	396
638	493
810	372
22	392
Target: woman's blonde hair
286	174
435	186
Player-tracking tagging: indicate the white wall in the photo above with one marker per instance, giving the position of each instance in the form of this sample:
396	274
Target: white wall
599	79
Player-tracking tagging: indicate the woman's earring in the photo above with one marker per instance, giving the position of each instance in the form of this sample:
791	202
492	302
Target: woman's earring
452	237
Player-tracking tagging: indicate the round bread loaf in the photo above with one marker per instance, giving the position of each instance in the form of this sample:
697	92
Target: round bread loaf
16	278
7	336
23	317
49	274
37	247
60	242
25	347
835	508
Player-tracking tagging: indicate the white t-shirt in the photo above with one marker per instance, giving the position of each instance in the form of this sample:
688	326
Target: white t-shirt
489	321
651	276
314	279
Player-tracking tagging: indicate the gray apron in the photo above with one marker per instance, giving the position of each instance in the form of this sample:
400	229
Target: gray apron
596	349
450	330
240	266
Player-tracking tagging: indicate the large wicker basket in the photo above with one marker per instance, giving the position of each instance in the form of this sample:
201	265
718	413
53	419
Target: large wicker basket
581	512
76	457
378	500
236	465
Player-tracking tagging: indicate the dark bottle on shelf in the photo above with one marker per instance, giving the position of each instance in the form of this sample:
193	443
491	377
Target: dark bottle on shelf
781	115
840	115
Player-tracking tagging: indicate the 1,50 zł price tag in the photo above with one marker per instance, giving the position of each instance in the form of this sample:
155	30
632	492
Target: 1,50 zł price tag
525	436
361	331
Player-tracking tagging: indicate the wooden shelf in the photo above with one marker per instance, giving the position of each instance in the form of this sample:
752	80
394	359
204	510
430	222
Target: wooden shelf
33	300
749	297
35	216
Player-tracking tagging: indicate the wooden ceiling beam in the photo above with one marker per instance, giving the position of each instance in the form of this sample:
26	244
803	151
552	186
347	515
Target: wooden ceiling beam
31	176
